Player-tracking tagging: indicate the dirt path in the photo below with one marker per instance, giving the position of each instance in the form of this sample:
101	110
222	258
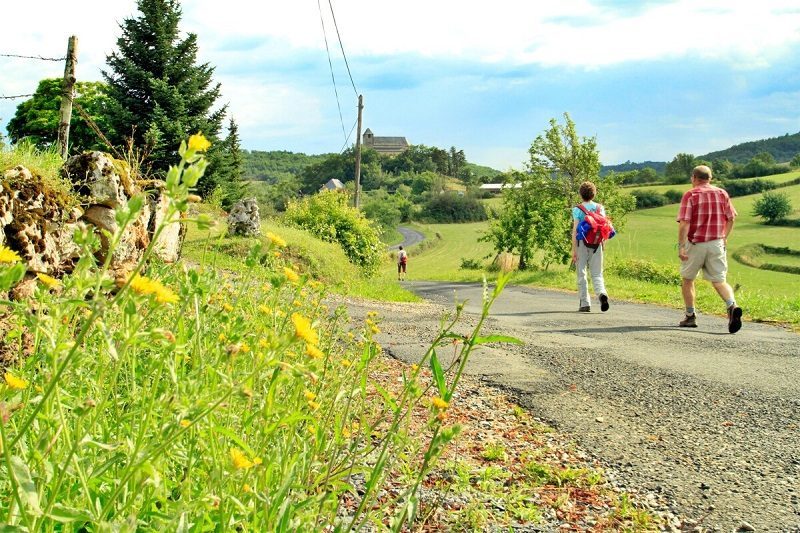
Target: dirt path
706	421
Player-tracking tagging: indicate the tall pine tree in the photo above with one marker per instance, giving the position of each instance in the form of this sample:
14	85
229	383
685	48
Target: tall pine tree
160	94
226	162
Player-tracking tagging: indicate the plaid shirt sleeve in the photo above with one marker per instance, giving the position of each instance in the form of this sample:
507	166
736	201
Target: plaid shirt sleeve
685	211
729	210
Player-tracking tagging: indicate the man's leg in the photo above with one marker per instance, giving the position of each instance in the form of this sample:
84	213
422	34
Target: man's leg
580	271
724	290
688	291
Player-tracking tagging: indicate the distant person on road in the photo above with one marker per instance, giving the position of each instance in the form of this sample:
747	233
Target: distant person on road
588	255
402	261
706	219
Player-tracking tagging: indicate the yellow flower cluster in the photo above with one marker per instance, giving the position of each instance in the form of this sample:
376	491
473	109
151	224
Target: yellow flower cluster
303	329
199	143
313	352
7	255
14	382
439	403
240	460
48	281
291	275
373	327
146	286
277	241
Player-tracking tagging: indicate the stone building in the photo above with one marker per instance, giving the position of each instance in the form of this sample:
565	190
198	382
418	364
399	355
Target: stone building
385	145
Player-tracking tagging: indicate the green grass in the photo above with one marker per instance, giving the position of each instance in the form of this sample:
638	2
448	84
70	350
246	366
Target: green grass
650	235
778	179
324	261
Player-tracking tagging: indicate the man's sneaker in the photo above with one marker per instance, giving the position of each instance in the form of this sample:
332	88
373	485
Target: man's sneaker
584	309
734	319
689	322
604	303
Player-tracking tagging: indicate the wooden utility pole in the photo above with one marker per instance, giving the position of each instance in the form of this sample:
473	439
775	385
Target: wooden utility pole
67	94
358	154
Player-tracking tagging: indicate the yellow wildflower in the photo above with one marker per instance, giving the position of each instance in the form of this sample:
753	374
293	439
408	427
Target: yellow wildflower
439	403
291	275
50	282
310	396
303	329
276	253
313	405
346	433
314	352
222	337
185	423
245	348
374	329
246	488
239	459
257	461
263	343
264	309
277	241
14	382
414	367
346	363
166	296
297	303
7	255
227	307
199	143
146	286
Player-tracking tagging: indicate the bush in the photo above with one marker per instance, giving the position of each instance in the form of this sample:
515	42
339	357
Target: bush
451	207
646	199
329	216
773	206
673	196
646	271
470	264
744	188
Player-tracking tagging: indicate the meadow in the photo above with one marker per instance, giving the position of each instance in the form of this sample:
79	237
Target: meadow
649	235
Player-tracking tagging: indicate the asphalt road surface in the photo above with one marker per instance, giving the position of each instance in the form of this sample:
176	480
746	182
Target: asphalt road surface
706	421
410	236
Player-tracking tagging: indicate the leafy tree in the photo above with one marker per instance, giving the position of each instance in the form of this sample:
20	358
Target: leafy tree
773	206
765	157
680	168
795	162
342	167
722	168
37	118
536	215
160	94
456	160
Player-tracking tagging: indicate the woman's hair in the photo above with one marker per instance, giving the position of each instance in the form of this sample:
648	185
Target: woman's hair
587	190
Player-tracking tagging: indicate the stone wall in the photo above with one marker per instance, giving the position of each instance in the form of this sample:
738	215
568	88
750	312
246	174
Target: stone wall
37	220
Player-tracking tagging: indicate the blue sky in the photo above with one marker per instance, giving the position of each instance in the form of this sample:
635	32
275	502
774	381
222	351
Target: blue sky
648	79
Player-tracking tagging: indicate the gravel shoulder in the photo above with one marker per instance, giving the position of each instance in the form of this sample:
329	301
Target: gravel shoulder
702	424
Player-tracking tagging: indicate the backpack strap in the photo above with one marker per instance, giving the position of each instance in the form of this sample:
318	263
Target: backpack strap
582	208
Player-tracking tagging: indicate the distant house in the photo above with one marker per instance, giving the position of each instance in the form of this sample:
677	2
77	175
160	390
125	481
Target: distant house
333	185
497	187
385	145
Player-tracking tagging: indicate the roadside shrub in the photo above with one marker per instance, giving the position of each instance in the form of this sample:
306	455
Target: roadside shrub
773	206
470	264
451	207
647	199
646	271
673	196
744	188
329	216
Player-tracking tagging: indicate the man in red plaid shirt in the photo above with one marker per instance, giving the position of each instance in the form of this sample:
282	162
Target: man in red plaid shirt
706	219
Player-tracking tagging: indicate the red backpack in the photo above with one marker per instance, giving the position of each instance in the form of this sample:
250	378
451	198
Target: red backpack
595	228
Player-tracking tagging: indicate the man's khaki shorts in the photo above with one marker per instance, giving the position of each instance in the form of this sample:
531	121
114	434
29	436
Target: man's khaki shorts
710	256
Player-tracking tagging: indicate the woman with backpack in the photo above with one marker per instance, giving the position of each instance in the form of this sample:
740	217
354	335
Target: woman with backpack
402	261
590	228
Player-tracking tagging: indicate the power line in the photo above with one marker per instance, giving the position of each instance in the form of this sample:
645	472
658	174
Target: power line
347	140
330	64
3	97
34	57
342	47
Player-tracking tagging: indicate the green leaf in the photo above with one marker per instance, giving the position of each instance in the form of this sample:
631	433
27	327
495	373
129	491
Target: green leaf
438	374
387	397
64	514
497	338
11	276
26	486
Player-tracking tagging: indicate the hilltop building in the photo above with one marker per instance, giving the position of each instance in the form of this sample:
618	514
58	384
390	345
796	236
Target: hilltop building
385	145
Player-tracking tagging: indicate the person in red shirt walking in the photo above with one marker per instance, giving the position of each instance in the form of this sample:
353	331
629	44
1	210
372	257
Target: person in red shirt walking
705	221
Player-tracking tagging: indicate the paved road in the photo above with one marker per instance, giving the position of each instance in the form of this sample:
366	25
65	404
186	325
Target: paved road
706	421
410	237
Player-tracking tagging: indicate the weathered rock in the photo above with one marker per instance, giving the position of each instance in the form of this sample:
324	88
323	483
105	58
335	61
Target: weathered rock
244	219
37	221
134	239
101	179
168	243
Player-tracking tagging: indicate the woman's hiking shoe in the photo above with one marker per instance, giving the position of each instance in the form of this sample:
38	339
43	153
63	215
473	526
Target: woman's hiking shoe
734	319
604	303
690	321
585	309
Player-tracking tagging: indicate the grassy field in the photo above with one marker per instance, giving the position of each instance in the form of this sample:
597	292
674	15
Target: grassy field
651	235
778	179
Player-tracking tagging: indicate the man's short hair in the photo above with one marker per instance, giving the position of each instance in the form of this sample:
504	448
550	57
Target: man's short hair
702	172
587	191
